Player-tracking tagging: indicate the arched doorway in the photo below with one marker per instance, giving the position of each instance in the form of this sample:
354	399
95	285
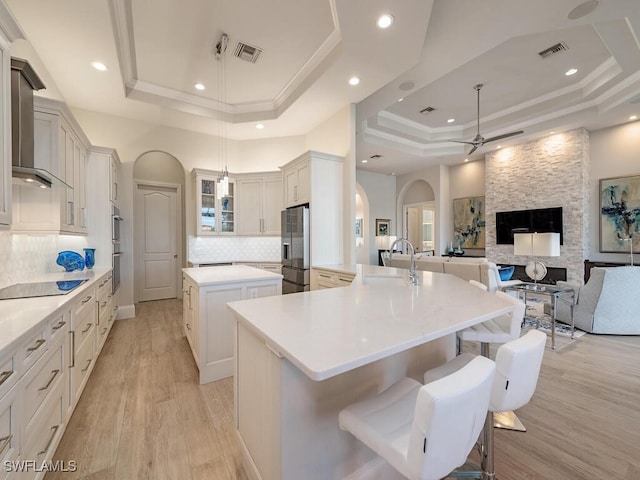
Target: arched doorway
419	216
158	226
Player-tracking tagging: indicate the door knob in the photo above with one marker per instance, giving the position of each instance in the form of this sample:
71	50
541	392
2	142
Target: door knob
175	256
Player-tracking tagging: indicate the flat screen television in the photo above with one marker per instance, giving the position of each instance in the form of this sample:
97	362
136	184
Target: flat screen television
541	220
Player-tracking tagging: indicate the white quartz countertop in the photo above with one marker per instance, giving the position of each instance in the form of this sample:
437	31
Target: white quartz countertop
328	332
228	274
20	316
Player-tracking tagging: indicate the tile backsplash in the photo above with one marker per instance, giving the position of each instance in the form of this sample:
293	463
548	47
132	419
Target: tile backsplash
233	249
23	256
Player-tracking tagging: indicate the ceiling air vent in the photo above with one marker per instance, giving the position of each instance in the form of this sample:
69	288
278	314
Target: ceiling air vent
247	52
557	48
427	110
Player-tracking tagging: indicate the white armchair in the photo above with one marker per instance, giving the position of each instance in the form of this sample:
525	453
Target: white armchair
495	283
607	303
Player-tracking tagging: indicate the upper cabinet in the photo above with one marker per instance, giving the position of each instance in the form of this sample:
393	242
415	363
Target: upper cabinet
215	216
259	203
297	183
62	149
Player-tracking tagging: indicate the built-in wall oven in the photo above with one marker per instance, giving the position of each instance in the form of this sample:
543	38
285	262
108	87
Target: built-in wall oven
117	252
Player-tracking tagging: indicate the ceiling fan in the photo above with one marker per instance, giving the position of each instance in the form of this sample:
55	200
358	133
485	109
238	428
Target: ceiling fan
479	140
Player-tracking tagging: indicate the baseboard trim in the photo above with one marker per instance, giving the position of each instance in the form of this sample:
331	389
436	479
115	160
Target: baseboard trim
126	311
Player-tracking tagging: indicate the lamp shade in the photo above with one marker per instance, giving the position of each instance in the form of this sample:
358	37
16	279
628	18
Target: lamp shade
537	244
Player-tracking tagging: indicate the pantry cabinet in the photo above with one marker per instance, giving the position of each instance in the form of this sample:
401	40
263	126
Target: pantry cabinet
61	148
215	216
259	204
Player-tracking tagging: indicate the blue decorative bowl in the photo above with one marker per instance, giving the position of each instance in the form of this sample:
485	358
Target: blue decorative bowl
506	273
70	261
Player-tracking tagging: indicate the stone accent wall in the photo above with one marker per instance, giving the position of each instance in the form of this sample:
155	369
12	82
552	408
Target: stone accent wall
550	172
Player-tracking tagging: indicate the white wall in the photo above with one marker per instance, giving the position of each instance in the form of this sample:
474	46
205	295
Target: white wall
380	193
615	152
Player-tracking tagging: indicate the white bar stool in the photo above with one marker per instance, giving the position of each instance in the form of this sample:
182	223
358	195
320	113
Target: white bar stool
517	369
425	431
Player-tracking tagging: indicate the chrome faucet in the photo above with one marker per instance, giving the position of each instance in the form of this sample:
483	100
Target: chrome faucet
413	278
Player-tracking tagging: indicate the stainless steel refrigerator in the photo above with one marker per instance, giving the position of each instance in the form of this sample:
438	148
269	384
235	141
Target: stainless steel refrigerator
295	249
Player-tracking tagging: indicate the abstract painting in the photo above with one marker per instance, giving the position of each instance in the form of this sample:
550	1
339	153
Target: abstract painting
468	222
620	214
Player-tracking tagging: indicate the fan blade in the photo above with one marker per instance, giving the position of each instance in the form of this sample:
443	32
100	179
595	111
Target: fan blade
458	141
504	135
475	147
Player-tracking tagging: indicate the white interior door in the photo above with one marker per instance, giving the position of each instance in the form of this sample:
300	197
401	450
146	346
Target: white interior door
157	242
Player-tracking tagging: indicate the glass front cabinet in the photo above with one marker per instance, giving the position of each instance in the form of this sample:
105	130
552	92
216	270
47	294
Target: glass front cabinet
215	216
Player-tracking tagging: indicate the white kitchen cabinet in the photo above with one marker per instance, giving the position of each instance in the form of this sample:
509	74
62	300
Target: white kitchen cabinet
215	216
83	344
259	203
297	182
60	147
114	164
323	278
212	332
318	181
5	133
105	311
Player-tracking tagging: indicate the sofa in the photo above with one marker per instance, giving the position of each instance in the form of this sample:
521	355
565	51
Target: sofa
467	268
608	303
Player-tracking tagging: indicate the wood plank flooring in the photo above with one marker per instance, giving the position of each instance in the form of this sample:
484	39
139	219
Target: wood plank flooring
143	415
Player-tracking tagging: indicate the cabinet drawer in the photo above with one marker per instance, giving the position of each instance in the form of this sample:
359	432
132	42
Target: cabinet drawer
47	429
82	366
8	372
343	280
104	285
59	328
39	382
9	426
83	328
33	348
85	304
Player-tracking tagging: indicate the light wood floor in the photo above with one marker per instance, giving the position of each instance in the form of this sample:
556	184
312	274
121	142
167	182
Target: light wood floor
143	415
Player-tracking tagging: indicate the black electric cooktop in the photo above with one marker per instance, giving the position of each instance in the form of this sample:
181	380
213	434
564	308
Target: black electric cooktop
39	289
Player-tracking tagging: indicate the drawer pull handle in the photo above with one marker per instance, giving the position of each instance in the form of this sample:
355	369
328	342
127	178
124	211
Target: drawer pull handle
87	367
53	435
55	374
104	330
61	324
6	441
4	376
38	344
324	276
104	304
86	299
89	325
188	326
73	348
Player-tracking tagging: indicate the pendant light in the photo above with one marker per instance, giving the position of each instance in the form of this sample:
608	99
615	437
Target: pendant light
222	183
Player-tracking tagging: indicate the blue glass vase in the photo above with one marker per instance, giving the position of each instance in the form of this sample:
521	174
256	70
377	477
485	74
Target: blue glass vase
89	257
70	260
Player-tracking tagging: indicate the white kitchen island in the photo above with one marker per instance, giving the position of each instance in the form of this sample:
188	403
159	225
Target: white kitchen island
301	358
207	323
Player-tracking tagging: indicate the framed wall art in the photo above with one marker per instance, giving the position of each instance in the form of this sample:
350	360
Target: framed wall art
359	227
469	222
383	227
620	214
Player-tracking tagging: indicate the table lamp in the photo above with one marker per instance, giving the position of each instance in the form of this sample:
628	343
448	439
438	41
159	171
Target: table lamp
536	245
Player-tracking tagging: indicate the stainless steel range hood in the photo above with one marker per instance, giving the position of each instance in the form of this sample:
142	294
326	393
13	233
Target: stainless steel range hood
25	171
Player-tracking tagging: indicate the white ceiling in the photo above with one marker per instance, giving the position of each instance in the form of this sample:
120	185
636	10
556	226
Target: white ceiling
156	50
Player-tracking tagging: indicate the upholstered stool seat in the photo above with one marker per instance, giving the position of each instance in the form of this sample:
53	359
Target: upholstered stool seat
425	431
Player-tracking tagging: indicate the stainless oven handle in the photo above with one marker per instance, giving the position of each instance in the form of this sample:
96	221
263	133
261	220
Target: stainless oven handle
117	217
117	254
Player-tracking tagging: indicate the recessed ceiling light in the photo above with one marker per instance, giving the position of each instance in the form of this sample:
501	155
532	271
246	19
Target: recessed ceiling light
571	71
451	120
385	21
401	99
466	160
99	66
260	126
199	86
552	132
353	81
498	147
585	8
365	161
633	117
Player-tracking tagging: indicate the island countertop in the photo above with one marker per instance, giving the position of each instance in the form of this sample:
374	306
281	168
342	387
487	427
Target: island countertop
327	332
227	274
